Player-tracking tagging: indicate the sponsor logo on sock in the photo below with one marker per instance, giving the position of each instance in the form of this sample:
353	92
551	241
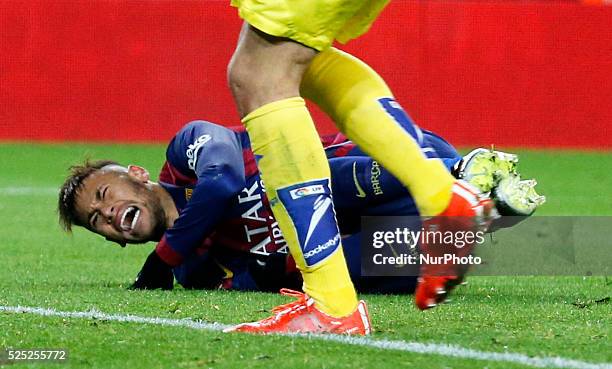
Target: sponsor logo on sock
306	191
313	218
320	207
322	247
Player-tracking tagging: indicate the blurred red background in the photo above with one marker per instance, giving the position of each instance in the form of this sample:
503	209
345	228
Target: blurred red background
535	74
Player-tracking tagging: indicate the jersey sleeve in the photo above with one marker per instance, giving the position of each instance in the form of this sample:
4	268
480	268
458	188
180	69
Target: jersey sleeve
359	182
212	155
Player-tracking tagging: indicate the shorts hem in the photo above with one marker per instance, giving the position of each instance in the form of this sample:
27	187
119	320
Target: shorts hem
278	29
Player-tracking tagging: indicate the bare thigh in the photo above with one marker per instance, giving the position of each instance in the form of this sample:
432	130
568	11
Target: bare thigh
265	69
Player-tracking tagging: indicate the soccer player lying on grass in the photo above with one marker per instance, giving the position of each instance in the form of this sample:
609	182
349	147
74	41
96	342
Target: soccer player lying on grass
212	220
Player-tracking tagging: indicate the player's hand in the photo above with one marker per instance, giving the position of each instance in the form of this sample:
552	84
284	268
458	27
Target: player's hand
271	274
155	274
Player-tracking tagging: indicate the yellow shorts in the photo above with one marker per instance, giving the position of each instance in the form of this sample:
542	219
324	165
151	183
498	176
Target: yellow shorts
314	23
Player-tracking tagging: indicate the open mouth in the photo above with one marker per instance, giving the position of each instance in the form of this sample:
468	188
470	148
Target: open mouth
129	219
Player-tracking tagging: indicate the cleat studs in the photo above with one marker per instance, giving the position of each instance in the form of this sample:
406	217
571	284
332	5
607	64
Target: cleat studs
539	200
529	183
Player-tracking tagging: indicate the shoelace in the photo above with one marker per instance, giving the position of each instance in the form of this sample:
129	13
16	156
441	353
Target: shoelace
288	308
301	300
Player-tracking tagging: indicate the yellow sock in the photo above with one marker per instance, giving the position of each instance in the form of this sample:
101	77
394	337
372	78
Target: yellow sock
296	177
353	94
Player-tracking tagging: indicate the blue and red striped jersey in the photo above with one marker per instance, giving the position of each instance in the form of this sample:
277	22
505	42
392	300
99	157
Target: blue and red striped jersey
211	173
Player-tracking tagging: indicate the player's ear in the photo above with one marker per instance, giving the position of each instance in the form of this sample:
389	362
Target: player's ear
138	173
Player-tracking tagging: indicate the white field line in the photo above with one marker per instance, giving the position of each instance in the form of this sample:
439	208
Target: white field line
413	347
28	191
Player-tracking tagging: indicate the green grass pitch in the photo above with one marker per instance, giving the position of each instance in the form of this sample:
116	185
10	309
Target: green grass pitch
41	267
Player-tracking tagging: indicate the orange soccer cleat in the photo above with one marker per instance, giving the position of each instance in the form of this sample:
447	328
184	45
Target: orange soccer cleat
301	316
467	211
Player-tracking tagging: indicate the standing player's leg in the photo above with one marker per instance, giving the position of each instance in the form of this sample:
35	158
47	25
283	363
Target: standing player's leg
264	74
363	107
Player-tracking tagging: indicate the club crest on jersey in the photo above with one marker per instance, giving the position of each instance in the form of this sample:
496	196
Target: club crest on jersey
311	209
188	193
194	148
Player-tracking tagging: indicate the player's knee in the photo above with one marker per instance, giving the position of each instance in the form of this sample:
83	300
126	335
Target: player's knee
252	90
253	87
241	83
258	77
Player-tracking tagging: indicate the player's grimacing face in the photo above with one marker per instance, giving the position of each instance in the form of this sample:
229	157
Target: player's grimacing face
119	207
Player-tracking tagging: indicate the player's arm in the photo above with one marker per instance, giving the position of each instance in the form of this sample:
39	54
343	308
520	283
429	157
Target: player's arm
213	155
202	270
154	274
